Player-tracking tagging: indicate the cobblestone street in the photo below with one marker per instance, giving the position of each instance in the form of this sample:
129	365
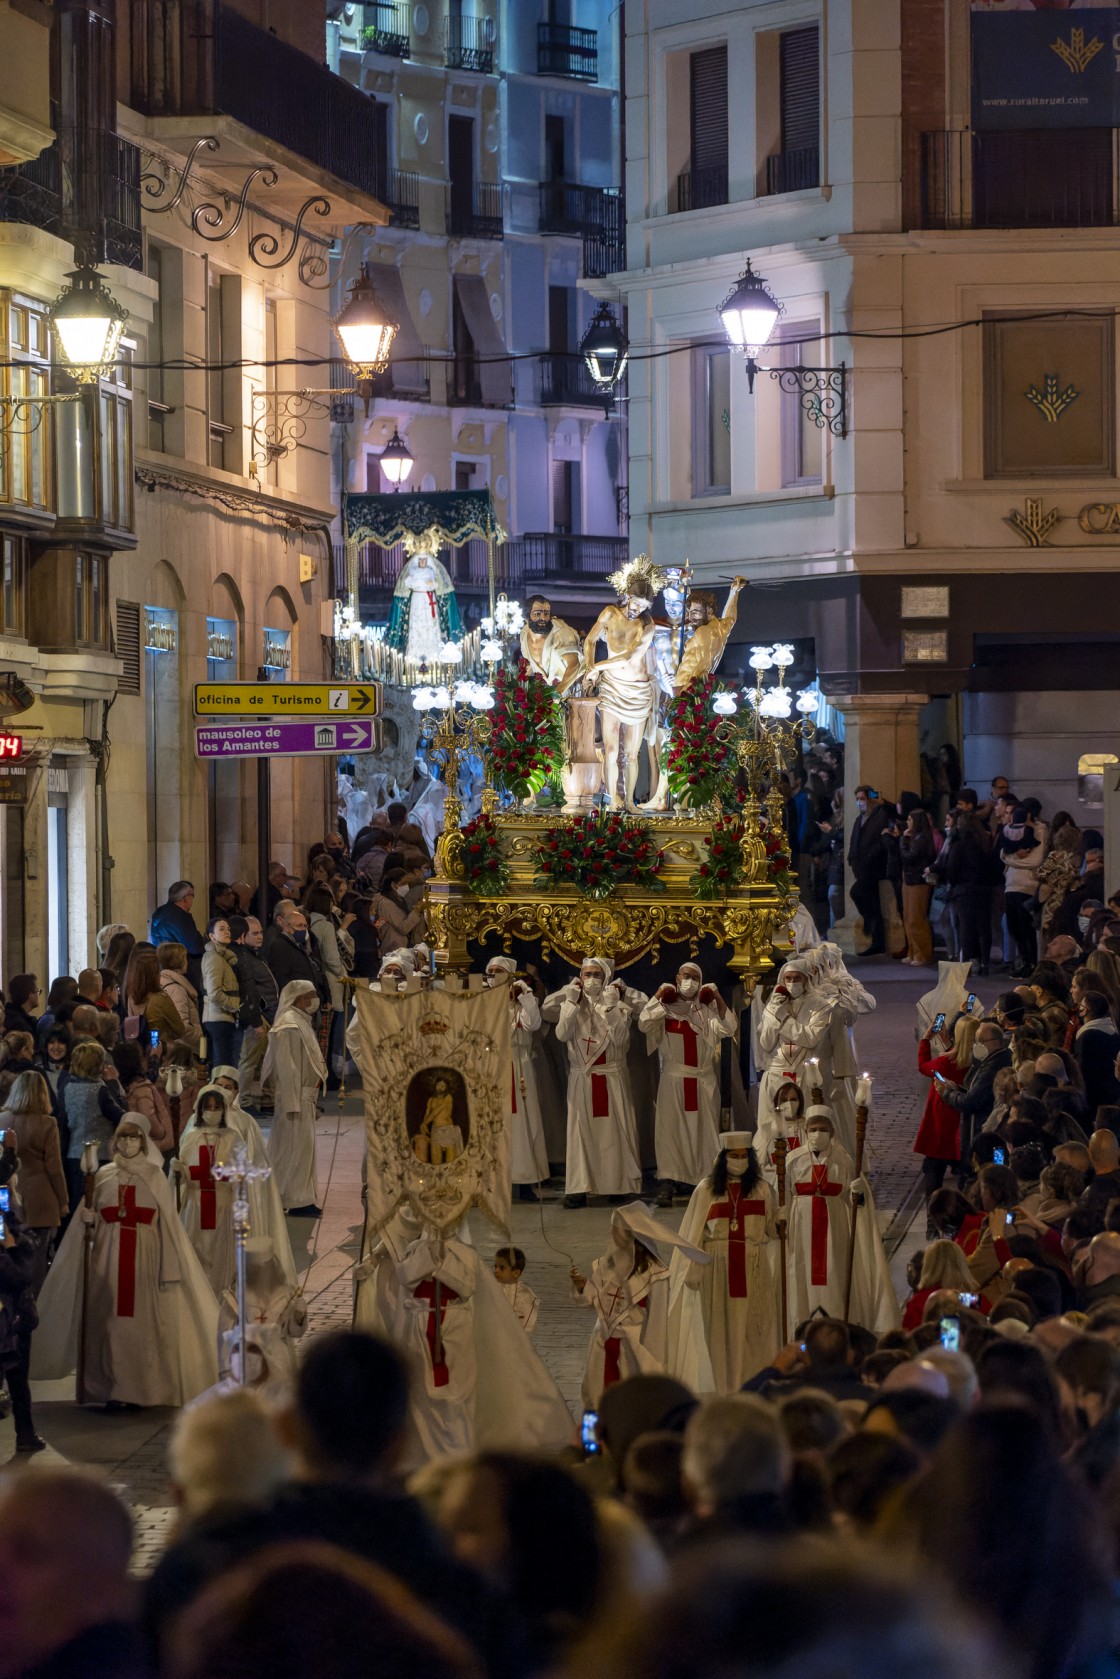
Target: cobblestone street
131	1446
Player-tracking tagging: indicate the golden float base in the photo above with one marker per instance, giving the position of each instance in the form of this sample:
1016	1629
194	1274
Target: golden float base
630	924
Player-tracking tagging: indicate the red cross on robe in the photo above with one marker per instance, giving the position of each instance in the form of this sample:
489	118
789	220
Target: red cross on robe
819	1186
612	1350
426	1290
686	1032
600	1093
128	1217
735	1211
431	603
207	1188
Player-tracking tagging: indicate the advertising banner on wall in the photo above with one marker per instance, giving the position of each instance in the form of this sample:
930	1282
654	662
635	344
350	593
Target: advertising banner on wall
1037	64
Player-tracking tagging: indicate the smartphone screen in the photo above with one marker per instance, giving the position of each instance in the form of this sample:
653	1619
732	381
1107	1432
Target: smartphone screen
587	1436
951	1334
153	1040
3	1227
939	1021
970	1000
999	1157
5	1200
969	1299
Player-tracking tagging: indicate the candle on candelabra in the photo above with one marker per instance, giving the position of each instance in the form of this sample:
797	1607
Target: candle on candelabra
815	1084
863	1091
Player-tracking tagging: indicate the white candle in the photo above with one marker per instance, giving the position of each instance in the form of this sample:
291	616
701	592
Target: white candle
863	1092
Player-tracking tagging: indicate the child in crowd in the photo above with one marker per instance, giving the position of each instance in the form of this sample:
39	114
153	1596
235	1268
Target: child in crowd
509	1266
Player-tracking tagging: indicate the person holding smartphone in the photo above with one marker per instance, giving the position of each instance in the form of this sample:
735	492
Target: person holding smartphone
999	1200
939	1134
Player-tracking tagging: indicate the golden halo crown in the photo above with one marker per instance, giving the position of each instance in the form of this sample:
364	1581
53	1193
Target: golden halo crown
638	576
426	543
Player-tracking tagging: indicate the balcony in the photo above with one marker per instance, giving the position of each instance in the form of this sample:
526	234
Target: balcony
1044	178
702	189
477	214
566	383
385	28
564	51
604	242
100	173
544	557
401	197
794	171
181	69
468	44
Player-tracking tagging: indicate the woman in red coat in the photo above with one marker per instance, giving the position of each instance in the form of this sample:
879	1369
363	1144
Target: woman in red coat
939	1134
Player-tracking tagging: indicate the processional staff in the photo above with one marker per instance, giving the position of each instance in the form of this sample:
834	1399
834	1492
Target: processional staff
241	1173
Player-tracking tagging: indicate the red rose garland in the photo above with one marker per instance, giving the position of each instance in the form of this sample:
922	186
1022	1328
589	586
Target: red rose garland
699	765
527	744
597	852
485	870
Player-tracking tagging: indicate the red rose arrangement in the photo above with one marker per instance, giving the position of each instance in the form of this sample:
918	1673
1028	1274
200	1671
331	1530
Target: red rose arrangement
777	860
699	766
723	870
527	744
597	852
485	870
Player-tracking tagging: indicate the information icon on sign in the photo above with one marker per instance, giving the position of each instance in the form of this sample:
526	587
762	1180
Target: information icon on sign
325	735
339	700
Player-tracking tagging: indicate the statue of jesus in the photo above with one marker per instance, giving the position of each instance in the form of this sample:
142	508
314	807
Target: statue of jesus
627	685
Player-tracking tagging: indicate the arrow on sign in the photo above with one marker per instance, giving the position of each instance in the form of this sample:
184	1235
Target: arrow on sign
356	734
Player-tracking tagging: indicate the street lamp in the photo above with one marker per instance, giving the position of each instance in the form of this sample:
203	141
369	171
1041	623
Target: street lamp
605	349
396	460
365	332
749	314
87	322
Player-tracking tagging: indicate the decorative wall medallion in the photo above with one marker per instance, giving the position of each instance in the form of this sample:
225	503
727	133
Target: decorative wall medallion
1033	525
1050	401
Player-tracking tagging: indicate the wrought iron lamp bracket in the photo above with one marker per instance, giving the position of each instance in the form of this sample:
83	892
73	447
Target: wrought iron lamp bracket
279	422
822	391
16	409
158	197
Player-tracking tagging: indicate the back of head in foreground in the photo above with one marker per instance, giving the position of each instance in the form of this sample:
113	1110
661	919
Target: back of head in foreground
351	1407
799	1610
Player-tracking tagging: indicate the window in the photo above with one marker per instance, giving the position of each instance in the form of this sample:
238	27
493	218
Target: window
115	444
711	420
158	406
13	583
271	356
218	420
1049	397
89	599
565	498
128	646
704	182
460	164
801	440
24	453
796	164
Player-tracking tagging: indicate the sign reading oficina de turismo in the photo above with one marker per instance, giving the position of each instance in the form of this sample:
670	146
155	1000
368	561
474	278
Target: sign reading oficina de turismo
287	699
1043	66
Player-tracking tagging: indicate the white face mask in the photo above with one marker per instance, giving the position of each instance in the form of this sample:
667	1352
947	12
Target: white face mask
688	987
497	976
593	984
1084	922
818	1141
736	1168
980	1052
129	1147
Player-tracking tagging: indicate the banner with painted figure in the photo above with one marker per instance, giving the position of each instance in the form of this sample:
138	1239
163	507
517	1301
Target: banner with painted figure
1045	64
436	1072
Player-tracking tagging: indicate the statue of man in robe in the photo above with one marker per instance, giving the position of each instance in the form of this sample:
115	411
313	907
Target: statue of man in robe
549	645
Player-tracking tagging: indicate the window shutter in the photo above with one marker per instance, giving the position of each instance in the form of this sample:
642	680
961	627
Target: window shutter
128	646
708	133
800	89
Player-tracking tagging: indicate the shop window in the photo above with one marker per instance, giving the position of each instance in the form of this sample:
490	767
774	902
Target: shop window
90	629
711	420
13	585
1049	397
25	452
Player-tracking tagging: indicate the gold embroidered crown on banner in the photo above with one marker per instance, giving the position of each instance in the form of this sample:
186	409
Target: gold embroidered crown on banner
638	576
434	1026
426	543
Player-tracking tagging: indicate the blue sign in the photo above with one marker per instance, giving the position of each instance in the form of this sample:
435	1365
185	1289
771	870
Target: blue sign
1046	69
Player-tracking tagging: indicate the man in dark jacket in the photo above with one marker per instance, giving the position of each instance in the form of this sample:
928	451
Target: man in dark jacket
1095	1049
173	923
975	1098
290	950
867	857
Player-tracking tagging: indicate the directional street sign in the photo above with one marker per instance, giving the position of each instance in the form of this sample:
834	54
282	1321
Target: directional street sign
287	699
285	738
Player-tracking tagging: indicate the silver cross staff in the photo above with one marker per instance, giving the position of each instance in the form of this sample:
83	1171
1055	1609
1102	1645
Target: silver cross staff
241	1173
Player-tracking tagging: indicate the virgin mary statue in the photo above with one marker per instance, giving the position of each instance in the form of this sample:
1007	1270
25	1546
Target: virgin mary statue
425	612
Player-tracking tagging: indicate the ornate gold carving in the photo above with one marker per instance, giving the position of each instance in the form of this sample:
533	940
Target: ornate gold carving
1034	526
1051	401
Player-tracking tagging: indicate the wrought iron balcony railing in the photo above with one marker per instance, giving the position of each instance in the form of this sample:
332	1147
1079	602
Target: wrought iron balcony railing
564	51
468	44
702	189
480	215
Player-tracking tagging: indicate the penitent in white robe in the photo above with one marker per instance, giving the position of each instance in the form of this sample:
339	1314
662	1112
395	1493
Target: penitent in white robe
631	1333
528	1155
293	1062
266	1214
819	1202
789	1034
738	1293
602	1148
688	1035
152	1330
206	1202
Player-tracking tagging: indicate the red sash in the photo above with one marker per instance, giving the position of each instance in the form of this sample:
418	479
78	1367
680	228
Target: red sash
431	603
612	1349
129	1217
685	1030
207	1188
735	1211
512	1089
818	1187
600	1094
434	1328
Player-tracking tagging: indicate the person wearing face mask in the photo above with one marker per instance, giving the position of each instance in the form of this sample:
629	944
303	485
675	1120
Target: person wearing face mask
975	1098
731	1217
152	1319
867	858
396	969
822	1189
593	1015
686	1022
206	1202
788	1122
794	1023
223	999
628	1290
295	1064
528	1155
845	999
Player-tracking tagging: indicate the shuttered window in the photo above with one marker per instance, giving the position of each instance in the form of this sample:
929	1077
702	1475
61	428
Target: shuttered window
708	113
799	67
128	646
